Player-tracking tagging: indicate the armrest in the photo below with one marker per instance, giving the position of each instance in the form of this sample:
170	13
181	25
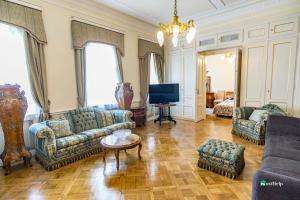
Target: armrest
45	138
244	112
122	115
269	185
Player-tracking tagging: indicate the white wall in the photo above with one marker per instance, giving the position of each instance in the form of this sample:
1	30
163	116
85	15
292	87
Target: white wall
57	15
221	72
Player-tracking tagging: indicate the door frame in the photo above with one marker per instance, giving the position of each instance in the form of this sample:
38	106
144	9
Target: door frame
238	70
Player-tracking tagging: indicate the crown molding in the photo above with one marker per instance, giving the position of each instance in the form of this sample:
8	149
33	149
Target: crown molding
121	7
97	13
266	8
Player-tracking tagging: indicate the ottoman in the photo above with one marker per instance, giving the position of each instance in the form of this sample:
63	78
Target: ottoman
223	157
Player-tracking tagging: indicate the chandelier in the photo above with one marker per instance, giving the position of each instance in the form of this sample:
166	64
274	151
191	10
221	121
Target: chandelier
175	28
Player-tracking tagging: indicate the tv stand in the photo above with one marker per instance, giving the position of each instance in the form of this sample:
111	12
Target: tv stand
163	117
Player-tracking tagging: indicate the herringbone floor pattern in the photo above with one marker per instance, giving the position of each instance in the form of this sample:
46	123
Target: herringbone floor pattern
167	170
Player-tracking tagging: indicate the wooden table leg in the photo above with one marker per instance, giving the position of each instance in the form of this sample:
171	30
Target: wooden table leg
104	154
117	158
139	152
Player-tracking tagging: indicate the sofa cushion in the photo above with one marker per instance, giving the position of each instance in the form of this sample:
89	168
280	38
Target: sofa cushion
83	119
282	151
118	126
61	128
257	115
95	133
249	124
281	164
104	118
70	141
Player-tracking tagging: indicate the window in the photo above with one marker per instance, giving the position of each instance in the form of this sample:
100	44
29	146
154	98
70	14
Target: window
13	66
153	75
153	80
101	74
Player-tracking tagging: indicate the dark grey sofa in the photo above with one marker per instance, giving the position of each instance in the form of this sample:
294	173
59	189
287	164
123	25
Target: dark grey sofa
279	176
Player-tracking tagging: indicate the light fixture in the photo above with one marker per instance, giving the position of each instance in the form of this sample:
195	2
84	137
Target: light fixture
229	56
176	28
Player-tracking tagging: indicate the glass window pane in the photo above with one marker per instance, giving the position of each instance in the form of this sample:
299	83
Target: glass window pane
101	74
13	66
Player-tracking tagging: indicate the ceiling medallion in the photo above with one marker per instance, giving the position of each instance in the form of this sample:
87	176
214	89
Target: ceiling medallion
175	28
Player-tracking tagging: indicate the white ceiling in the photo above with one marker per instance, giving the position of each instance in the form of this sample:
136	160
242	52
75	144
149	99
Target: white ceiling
155	11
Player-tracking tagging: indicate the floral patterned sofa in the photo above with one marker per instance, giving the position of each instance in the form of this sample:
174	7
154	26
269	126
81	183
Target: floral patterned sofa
77	135
253	131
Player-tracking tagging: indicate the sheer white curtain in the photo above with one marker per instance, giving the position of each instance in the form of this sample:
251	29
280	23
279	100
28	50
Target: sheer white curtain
13	66
153	80
101	74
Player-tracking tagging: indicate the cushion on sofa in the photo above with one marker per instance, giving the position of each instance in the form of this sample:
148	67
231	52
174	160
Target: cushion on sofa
118	126
284	164
83	119
282	152
95	133
257	115
70	141
249	124
61	128
104	118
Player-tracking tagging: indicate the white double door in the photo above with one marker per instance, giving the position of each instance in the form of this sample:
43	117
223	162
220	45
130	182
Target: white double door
269	72
182	70
200	103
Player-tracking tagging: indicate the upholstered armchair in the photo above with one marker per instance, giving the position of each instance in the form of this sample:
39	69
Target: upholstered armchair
251	130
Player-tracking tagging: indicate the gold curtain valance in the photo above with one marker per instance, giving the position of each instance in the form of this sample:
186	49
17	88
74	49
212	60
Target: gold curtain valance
28	18
149	47
83	33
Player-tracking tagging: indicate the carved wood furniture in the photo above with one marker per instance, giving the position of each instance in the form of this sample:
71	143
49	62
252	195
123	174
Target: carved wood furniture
13	106
121	140
210	98
139	115
162	116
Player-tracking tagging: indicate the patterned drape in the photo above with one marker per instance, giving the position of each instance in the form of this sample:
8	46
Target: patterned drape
37	74
145	48
119	66
159	67
83	33
27	18
80	70
144	65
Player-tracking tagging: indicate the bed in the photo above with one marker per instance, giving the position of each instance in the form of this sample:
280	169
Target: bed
225	108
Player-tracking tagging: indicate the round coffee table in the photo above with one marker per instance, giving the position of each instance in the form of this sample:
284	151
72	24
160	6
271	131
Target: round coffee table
121	140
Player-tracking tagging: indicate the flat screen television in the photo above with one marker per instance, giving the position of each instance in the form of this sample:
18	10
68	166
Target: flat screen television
163	93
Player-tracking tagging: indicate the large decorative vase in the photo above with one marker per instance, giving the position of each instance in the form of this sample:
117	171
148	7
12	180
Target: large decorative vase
13	106
124	95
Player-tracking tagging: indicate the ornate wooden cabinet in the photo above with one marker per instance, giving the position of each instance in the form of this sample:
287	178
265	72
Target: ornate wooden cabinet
13	106
210	97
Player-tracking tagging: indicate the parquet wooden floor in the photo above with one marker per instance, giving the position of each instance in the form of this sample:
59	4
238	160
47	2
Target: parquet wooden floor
167	170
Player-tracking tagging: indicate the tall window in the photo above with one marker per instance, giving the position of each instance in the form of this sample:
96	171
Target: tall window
13	66
153	80
101	74
153	75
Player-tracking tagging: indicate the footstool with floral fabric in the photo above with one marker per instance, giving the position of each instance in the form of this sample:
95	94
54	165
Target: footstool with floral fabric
223	157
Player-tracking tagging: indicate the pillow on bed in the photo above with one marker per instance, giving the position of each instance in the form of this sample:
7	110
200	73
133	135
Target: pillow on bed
257	115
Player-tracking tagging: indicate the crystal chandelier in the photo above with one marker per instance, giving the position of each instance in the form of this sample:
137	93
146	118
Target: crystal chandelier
175	28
